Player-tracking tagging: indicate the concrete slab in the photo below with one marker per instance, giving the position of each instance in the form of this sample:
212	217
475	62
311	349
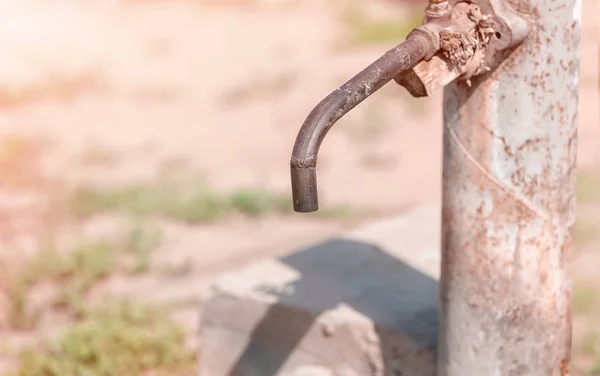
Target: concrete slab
364	304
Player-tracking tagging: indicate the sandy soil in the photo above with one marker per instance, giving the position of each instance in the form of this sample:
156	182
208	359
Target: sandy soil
123	91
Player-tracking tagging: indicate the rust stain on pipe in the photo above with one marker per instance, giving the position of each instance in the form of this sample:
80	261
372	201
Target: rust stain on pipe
508	207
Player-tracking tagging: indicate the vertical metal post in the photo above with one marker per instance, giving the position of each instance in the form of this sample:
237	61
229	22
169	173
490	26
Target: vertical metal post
508	205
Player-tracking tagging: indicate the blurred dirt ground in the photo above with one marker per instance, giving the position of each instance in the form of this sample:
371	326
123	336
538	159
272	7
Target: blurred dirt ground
130	99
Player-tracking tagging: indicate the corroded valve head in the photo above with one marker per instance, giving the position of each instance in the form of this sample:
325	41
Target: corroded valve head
437	9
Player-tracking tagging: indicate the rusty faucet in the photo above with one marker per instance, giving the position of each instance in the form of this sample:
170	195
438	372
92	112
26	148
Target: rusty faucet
458	40
337	104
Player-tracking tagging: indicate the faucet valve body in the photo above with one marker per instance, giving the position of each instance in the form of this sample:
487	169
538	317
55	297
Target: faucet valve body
474	37
458	40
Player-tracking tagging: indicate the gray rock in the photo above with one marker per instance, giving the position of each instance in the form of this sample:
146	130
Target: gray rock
362	304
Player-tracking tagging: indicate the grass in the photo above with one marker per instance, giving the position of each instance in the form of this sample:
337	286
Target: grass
189	203
119	338
140	243
75	272
199	205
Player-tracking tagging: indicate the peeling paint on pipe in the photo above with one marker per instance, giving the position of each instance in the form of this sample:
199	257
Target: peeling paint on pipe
510	145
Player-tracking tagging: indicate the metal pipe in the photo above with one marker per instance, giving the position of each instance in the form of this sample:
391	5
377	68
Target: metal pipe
508	205
337	104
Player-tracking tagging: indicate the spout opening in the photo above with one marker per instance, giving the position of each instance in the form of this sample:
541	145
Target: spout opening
304	189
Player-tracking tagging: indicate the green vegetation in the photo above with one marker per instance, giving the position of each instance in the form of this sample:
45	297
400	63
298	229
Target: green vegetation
75	272
189	203
120	338
140	244
114	339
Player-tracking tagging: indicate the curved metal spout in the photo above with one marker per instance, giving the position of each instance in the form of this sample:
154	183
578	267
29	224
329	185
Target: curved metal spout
336	105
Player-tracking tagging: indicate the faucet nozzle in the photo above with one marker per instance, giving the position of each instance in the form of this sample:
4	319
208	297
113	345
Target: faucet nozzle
337	104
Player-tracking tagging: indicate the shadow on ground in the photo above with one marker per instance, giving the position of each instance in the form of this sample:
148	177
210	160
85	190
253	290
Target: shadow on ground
392	294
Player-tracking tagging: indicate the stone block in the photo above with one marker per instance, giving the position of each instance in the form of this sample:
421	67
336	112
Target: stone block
362	304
